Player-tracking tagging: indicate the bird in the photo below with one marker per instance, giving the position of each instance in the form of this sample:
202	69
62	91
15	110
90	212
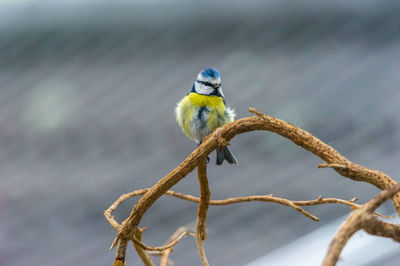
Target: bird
204	109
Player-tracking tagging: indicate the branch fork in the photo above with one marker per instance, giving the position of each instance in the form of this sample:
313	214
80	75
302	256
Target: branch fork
129	228
363	218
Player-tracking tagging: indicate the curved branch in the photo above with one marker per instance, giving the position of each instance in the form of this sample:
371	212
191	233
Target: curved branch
174	237
363	218
160	248
261	198
224	134
143	255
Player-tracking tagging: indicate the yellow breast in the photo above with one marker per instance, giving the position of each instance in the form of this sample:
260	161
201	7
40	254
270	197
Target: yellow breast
187	109
206	100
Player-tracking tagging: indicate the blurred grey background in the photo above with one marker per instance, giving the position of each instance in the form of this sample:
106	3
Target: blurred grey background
87	96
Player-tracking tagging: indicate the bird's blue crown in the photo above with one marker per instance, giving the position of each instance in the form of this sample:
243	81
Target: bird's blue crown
210	73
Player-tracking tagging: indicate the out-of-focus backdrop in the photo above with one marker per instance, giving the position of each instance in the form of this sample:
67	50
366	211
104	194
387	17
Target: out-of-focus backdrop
87	96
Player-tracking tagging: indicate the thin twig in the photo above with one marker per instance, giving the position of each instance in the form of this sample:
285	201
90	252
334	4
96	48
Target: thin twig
160	248
201	233
200	247
260	198
172	238
140	251
108	213
350	203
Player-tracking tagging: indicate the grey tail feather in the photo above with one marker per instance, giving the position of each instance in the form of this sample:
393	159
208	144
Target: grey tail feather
223	153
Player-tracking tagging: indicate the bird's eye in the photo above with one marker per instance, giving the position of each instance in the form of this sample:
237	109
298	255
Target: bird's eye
209	84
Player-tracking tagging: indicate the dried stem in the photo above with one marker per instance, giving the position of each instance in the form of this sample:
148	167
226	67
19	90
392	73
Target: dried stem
201	233
164	257
160	248
121	251
108	213
261	198
363	218
173	238
140	251
202	253
223	135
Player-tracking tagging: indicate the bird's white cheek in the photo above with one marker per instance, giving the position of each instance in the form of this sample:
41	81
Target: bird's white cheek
200	88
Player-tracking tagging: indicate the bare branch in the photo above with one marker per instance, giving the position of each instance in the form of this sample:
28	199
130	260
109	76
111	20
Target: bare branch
223	135
383	229
121	251
108	213
201	233
140	251
173	238
363	218
160	248
261	198
258	122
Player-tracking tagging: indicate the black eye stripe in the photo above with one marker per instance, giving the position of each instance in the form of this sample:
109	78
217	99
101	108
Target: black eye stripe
215	86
